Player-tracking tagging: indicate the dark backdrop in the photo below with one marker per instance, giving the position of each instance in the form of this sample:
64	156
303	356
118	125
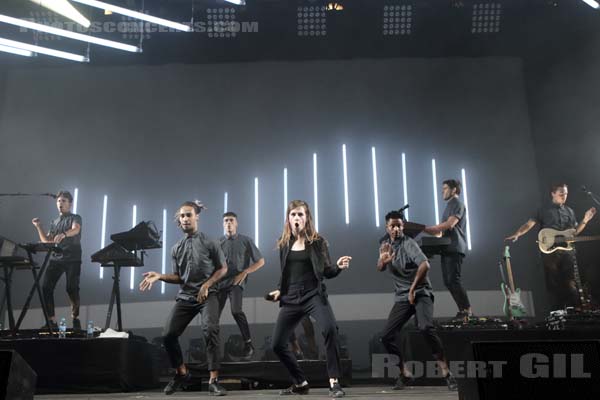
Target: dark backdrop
155	136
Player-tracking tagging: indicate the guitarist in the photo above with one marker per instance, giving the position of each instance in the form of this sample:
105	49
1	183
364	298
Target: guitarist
558	266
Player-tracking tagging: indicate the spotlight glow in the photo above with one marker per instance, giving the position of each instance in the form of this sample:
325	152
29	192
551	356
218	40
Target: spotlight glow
103	237
43	50
465	196
404	184
68	34
316	192
14	50
164	249
435	190
375	188
592	3
135	14
345	165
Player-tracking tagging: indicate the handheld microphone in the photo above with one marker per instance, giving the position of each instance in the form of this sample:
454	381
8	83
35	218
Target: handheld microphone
269	297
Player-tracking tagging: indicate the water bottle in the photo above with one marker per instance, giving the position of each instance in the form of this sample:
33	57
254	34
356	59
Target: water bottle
62	329
90	330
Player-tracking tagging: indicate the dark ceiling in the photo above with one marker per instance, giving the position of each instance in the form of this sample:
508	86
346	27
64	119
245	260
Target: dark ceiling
424	28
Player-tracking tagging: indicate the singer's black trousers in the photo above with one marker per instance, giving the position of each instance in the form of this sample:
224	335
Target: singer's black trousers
289	317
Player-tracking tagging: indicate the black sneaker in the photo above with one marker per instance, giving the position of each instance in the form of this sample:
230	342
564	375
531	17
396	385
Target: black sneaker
76	324
248	350
403	381
295	389
177	383
336	390
214	389
451	382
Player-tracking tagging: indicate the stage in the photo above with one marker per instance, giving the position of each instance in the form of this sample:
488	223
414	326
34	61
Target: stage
357	392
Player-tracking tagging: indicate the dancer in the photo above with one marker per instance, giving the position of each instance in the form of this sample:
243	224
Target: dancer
408	267
198	263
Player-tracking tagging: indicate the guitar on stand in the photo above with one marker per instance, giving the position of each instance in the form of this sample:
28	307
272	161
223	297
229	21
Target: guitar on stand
513	306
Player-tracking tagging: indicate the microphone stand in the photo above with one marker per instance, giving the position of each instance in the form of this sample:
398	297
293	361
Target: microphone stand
594	198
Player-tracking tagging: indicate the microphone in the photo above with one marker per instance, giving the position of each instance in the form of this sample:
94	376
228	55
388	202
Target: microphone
50	195
269	297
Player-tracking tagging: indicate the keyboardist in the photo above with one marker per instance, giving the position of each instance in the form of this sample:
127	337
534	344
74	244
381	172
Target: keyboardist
66	232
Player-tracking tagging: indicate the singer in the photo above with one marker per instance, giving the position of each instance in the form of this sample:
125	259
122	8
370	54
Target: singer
305	261
558	266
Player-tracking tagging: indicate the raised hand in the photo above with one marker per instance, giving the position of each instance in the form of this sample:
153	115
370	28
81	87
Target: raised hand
386	253
36	222
589	214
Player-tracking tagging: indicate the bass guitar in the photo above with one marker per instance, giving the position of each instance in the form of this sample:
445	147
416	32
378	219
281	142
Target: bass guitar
550	240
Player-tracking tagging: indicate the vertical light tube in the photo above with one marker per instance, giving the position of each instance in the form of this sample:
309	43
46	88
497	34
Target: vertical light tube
285	193
103	237
435	190
375	188
75	200
256	237
404	184
133	222
225	200
164	249
345	165
466	197
316	192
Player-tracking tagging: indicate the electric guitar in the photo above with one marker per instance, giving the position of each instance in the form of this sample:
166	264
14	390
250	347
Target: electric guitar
513	307
550	240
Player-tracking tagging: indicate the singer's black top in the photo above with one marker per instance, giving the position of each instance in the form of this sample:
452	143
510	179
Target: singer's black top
556	217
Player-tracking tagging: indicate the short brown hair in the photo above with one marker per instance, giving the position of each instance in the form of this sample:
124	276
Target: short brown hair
453	184
555	186
66	194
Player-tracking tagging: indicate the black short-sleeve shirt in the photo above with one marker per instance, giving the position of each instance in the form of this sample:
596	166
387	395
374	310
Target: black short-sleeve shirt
195	258
559	217
457	235
240	253
403	268
70	246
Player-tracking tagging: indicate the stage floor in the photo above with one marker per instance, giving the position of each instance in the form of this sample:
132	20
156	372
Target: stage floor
355	392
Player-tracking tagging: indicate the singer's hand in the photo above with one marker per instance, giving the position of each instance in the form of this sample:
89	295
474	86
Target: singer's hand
344	262
59	238
512	238
589	214
275	294
36	222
